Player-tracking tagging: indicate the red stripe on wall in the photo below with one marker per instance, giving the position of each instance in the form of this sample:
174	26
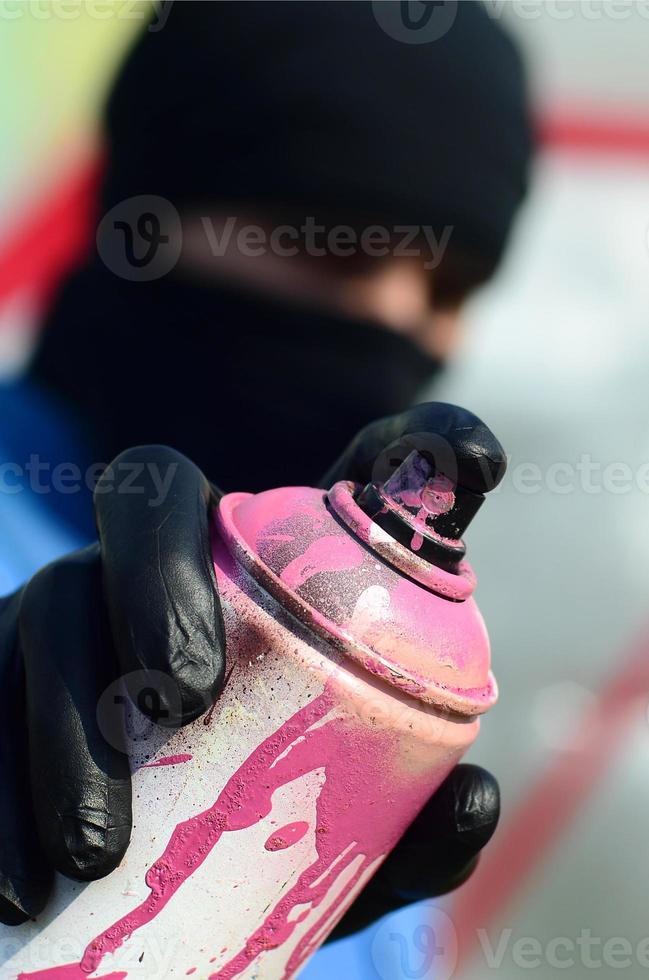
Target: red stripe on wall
595	134
533	828
52	236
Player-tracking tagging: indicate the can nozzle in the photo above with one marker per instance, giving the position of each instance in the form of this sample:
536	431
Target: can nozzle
432	496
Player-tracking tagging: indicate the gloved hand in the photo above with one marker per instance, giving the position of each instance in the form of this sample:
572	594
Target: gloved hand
144	598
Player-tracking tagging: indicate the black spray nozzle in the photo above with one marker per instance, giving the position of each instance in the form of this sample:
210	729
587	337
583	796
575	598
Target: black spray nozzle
429	500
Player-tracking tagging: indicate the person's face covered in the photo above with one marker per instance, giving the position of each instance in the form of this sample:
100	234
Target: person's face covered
263	372
362	273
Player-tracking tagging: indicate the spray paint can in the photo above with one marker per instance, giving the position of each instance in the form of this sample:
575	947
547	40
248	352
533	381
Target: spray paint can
359	666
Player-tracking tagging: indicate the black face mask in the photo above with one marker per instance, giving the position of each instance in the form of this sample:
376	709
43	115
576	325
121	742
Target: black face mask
258	393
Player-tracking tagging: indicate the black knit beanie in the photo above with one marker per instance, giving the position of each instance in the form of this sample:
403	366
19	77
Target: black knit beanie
345	108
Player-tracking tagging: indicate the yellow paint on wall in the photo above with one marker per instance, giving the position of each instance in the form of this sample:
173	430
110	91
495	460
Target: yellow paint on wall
57	58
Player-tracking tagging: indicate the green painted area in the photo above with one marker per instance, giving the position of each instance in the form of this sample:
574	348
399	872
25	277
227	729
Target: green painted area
57	58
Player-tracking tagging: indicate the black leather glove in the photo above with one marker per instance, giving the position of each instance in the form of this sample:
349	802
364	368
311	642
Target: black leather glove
144	598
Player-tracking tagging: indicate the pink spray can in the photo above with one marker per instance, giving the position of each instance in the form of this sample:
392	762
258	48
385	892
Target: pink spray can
358	668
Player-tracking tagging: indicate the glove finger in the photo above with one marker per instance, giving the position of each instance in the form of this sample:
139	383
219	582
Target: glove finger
440	849
452	436
152	512
80	780
438	852
25	875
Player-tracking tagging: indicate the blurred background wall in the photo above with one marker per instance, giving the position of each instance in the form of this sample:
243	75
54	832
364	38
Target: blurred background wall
556	360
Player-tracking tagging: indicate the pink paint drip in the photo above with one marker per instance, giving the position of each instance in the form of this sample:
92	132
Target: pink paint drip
286	836
435	498
438	496
343	817
414	486
71	972
168	760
